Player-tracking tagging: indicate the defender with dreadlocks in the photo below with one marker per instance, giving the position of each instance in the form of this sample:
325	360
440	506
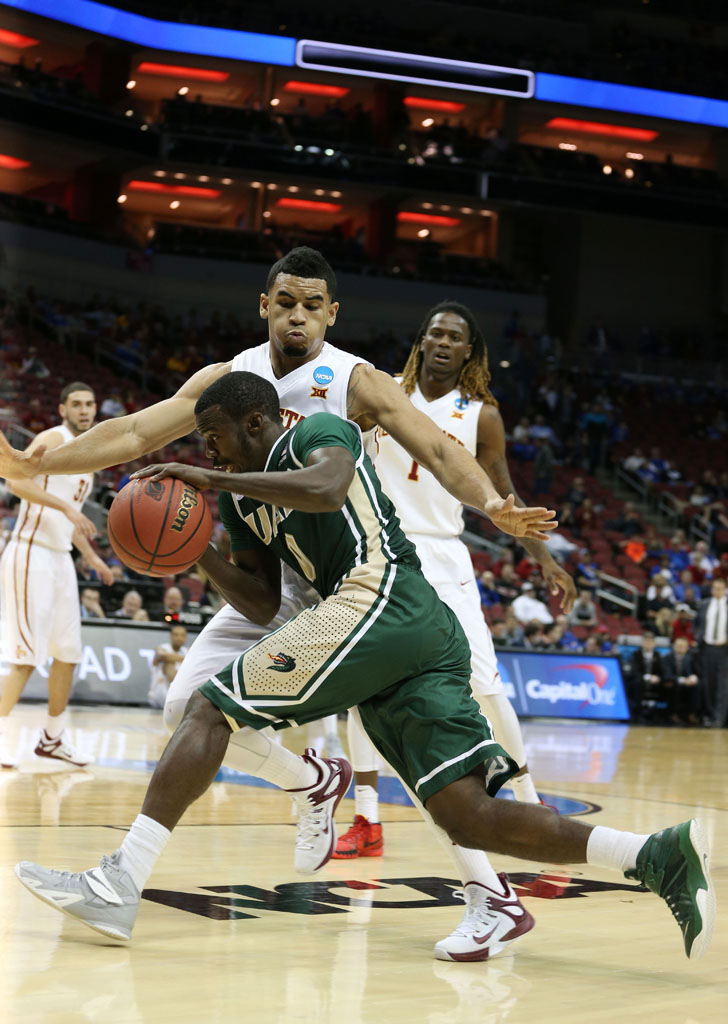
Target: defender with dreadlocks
446	377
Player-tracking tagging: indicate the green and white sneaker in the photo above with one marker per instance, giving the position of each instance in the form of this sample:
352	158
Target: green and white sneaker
103	898
674	864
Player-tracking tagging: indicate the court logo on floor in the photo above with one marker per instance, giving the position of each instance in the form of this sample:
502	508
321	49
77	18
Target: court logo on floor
238	902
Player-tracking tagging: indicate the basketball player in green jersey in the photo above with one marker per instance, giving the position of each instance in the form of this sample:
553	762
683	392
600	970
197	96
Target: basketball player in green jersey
380	639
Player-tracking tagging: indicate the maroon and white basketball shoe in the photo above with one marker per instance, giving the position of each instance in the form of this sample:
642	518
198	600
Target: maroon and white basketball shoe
492	920
60	749
316	830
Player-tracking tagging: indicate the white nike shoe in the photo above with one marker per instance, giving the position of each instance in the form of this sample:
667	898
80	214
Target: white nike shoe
316	830
59	749
103	898
492	920
7	755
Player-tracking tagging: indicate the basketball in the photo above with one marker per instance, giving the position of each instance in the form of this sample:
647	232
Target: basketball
159	527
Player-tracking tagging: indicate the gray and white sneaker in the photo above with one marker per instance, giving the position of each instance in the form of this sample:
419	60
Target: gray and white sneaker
316	830
104	898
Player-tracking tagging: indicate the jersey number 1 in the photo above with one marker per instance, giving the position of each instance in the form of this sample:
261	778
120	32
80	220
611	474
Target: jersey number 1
414	472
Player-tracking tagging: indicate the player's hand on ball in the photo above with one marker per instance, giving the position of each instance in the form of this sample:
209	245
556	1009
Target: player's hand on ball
534	523
195	475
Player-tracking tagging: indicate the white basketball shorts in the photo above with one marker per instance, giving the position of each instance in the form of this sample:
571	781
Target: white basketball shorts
39	608
447	566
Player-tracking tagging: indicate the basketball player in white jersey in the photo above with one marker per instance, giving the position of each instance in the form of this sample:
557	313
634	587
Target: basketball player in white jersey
310	376
447	378
39	607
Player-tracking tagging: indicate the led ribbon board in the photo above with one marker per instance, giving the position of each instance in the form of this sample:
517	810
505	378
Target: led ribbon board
411	67
163	35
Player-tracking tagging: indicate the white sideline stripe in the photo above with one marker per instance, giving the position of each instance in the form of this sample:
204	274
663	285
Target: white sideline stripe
357	535
454	760
382	521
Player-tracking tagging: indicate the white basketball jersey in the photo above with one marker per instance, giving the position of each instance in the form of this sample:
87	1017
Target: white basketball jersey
158	677
423	505
320	385
48	527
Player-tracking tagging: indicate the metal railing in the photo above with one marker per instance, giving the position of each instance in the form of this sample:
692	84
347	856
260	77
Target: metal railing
631	603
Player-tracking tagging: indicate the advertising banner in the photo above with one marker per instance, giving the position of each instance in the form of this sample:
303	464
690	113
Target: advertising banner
557	685
115	664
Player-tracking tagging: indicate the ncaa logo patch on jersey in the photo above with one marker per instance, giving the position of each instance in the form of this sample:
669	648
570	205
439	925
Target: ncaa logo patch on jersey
323	376
461	403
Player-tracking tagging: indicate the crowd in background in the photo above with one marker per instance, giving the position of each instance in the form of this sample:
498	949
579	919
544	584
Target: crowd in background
566	432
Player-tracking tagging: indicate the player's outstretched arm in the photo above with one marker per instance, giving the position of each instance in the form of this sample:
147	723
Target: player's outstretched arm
121	439
492	457
320	486
375	397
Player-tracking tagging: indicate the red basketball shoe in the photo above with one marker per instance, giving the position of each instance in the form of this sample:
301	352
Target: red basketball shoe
364	839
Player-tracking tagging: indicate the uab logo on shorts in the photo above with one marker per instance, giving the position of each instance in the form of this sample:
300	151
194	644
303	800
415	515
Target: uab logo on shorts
189	500
282	662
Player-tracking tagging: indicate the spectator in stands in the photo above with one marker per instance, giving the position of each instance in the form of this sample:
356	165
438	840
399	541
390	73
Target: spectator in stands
721	573
584	612
486	586
596	424
711	633
628	521
702	562
514	630
634	462
699	496
679	551
508	585
498	630
682	624
112	406
592	646
660	604
522	446
528	608
586	573
551	636
586	517
576	492
567	517
174	604
34	418
132	607
91	605
167	659
527	568
541	431
681	677
644	679
532	635
33	365
568	640
543	468
506	558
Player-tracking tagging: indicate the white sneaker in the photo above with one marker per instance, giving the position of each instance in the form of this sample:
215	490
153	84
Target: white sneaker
61	750
491	922
316	830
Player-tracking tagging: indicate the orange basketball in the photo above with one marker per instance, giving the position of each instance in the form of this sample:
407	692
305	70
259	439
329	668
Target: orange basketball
159	527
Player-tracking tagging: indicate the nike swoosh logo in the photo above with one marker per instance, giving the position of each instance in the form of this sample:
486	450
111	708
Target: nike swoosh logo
482	939
98	882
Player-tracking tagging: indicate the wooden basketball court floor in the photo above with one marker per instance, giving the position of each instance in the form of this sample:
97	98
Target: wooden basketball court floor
228	932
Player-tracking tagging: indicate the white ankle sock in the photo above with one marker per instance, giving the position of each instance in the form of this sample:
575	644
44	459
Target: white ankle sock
55	725
474	866
142	847
524	789
610	848
252	752
366	802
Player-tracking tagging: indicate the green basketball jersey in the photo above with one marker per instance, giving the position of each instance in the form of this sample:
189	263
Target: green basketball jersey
323	546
